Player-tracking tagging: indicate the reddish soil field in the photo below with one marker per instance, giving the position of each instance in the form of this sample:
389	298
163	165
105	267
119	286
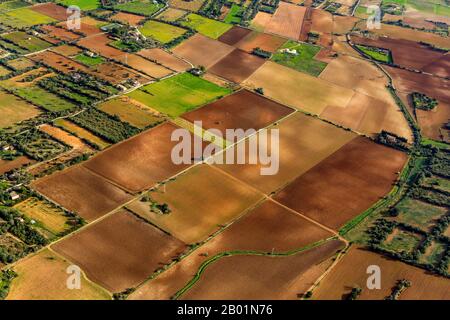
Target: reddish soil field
120	251
322	21
263	41
287	21
140	162
255	231
67	50
59	62
243	109
234	35
351	271
431	122
6	166
146	66
165	58
409	54
61	135
344	184
262	277
124	17
60	33
201	50
237	66
99	44
52	10
78	189
439	67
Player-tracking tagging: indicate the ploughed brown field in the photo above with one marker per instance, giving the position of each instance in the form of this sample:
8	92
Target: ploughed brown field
78	189
256	231
345	184
165	58
51	10
99	44
201	50
351	271
125	17
200	200
234	35
65	137
146	66
263	277
60	33
409	54
140	162
263	41
120	251
6	165
287	21
243	109
237	66
304	141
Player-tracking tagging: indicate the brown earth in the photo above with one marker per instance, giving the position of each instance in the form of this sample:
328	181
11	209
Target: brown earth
243	109
201	50
287	21
263	41
351	272
125	17
120	251
78	189
51	10
65	137
237	66
6	165
165	58
234	35
345	184
60	33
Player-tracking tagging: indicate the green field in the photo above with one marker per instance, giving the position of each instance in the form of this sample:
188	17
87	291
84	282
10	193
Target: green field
179	94
23	18
402	241
418	213
437	183
4	71
208	27
375	54
143	7
11	5
27	41
303	61
12	47
89	61
43	98
438	7
234	15
161	32
433	253
84	5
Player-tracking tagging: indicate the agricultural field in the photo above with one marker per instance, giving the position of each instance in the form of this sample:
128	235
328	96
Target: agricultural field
286	22
193	5
171	14
81	133
20	64
178	94
9	165
144	7
123	17
207	27
24	17
11	5
84	5
14	109
164	58
26	41
161	32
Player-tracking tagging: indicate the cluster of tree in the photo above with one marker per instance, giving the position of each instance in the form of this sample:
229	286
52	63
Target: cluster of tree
380	231
392	8
262	53
392	140
213	8
130	39
32	77
6	276
399	287
56	87
333	7
159	208
354	294
423	102
62	165
430	195
106	126
250	12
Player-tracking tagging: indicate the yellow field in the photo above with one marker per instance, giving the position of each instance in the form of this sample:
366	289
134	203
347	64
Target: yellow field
44	277
81	133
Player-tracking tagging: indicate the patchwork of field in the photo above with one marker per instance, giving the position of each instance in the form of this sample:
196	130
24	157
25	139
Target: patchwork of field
51	10
26	41
243	109
161	32
44	277
60	33
351	272
171	14
81	191
207	27
165	58
14	110
287	21
178	94
127	18
9	165
129	111
100	250
145	7
201	50
193	5
63	136
234	35
81	133
303	143
291	233
365	171
24	17
263	41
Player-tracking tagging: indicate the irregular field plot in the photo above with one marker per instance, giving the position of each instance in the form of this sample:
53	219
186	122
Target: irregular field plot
234	35
263	41
81	133
129	18
6	165
145	7
13	110
79	190
20	63
401	241
345	184
237	66
417	213
51	10
120	251
178	94
298	90
23	18
208	27
11	5
287	21
243	110
262	277
171	14
193	5
255	231
133	113
304	141
52	218
140	162
65	137
217	200
44	276
147	67
351	271
27	41
202	51
165	58
161	32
